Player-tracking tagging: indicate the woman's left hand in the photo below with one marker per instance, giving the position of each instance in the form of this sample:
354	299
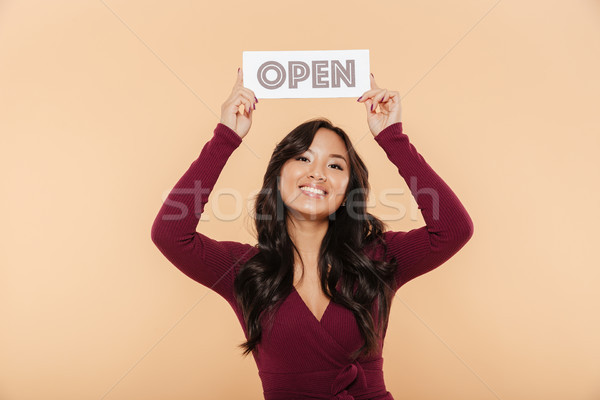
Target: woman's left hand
389	104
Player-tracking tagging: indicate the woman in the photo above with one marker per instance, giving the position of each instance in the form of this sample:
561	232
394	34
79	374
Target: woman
313	295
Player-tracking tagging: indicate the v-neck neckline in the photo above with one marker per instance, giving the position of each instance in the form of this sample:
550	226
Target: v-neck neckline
308	309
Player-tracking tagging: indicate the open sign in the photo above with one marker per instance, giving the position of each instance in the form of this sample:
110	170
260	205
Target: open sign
305	74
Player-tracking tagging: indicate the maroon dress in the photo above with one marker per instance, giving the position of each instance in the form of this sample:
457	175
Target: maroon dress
301	357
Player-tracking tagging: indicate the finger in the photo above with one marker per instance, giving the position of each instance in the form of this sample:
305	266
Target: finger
246	94
369	105
241	100
372	107
394	97
378	98
373	83
367	95
381	96
250	94
240	83
239	79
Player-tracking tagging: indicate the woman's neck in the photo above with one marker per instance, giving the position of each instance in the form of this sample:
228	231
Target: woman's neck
307	237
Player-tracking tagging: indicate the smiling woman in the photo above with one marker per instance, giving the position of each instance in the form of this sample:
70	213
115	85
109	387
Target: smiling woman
316	175
313	296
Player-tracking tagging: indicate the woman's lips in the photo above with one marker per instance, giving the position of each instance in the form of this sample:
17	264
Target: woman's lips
311	194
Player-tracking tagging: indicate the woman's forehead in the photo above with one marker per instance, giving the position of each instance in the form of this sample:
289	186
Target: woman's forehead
326	141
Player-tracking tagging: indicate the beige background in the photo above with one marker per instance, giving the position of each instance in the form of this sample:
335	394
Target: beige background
104	104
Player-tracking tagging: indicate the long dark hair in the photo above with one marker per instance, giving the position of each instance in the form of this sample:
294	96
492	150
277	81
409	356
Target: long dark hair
267	278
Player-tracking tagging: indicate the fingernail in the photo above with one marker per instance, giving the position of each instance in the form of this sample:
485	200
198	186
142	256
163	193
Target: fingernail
238	69
255	99
254	106
372	75
359	98
371	107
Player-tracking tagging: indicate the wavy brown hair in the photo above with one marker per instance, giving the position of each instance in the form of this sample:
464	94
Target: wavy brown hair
266	279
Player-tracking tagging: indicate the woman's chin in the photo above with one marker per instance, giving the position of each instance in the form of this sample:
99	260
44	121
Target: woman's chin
309	214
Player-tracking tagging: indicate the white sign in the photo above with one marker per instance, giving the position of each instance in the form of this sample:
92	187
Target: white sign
306	74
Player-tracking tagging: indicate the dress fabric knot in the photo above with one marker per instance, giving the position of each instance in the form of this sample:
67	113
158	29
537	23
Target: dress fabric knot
348	381
351	375
343	396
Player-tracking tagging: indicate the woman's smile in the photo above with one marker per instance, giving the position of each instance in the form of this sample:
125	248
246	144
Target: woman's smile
315	193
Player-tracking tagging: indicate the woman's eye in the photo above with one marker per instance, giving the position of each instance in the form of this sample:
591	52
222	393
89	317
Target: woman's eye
300	158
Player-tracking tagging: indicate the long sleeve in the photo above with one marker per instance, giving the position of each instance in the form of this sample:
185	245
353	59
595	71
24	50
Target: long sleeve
448	226
205	260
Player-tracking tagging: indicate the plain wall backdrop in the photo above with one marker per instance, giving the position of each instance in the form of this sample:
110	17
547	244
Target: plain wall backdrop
105	104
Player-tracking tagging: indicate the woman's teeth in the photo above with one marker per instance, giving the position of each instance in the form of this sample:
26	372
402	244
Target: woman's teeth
309	189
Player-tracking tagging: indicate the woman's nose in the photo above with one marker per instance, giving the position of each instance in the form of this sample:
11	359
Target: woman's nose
317	175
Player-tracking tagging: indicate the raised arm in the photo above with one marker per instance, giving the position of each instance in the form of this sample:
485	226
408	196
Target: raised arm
448	225
207	261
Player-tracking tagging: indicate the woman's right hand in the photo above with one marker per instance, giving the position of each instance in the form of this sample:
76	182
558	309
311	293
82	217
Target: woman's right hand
230	114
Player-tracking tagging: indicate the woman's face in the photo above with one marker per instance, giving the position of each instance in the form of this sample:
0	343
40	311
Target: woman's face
324	166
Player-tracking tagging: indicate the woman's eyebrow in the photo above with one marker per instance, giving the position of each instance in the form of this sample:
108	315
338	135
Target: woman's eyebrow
331	155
